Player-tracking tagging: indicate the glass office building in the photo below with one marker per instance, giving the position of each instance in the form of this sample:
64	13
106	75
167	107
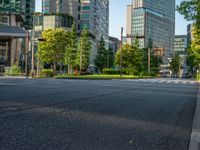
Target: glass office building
22	8
155	20
90	14
15	18
180	44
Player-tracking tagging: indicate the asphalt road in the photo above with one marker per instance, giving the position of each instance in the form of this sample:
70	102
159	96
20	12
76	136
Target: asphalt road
49	114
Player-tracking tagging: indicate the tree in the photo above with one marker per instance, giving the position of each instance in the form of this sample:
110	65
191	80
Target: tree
52	50
83	56
190	10
192	61
135	57
72	49
175	64
100	60
124	50
110	58
132	58
156	61
195	46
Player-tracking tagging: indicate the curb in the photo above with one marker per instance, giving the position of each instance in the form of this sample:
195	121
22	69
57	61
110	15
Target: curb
195	136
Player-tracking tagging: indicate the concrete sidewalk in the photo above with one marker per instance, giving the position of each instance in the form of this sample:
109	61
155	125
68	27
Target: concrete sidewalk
195	137
14	77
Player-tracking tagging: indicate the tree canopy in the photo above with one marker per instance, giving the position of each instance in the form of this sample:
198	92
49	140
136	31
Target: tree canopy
175	64
53	49
83	56
190	10
100	60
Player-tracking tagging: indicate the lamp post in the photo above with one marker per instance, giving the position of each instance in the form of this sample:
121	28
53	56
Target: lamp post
121	55
26	54
33	49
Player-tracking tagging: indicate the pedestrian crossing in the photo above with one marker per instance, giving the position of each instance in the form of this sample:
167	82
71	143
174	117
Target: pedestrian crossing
166	81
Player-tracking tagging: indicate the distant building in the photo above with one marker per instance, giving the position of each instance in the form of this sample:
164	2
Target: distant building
90	14
114	43
15	17
180	44
155	20
52	22
180	47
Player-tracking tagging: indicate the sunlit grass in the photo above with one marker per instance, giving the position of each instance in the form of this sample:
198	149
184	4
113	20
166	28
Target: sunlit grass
99	76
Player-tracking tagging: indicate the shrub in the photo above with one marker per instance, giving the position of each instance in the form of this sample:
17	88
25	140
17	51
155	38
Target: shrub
111	71
47	73
13	71
198	77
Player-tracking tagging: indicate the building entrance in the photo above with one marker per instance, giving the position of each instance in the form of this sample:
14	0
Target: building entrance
4	55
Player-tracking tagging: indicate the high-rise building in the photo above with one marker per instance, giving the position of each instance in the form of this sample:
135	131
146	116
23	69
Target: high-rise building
180	44
155	20
23	8
180	48
15	17
114	44
90	14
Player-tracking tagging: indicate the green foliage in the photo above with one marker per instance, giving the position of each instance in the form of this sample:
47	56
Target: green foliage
175	64
156	61
98	77
47	73
195	47
84	49
111	71
13	71
190	10
72	47
198	77
100	60
53	49
132	57
110	58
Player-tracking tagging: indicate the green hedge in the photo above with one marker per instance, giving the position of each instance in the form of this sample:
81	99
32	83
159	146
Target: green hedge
13	71
47	73
198	77
111	71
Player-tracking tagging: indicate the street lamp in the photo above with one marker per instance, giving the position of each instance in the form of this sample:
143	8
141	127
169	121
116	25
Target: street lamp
33	48
121	55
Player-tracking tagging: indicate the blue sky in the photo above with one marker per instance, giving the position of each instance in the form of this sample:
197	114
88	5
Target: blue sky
118	17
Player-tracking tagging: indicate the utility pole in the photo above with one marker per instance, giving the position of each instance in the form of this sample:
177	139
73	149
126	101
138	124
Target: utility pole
26	54
121	55
150	45
149	61
81	56
33	49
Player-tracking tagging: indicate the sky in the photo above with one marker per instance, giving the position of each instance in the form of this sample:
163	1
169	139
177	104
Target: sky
118	17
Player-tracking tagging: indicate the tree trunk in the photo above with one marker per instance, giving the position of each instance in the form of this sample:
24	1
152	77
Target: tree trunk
54	68
69	70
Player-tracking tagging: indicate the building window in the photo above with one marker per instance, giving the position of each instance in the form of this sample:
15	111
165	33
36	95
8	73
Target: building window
4	20
1	2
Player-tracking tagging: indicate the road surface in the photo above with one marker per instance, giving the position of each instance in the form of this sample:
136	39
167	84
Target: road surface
50	114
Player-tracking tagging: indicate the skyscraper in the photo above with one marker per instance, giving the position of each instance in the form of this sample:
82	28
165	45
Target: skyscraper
23	8
90	14
15	17
155	20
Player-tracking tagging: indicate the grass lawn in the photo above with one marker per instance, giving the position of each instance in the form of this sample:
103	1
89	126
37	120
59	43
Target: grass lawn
99	77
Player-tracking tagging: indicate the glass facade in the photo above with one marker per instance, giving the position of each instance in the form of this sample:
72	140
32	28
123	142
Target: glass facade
154	19
180	44
90	14
24	8
94	15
